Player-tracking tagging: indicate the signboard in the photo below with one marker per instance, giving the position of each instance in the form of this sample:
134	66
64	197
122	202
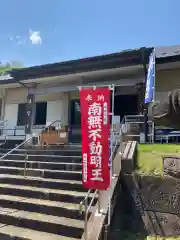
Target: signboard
150	82
95	121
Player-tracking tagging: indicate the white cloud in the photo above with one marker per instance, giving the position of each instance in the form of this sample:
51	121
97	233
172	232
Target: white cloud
35	37
18	39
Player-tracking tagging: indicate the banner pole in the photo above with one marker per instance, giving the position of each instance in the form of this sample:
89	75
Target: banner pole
154	94
112	88
112	132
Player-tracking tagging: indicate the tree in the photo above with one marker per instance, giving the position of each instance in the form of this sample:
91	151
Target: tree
5	68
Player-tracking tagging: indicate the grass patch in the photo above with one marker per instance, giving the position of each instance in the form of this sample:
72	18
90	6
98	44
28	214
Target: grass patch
161	238
150	157
123	235
128	236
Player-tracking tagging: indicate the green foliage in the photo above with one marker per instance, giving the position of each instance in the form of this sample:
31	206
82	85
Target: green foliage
7	67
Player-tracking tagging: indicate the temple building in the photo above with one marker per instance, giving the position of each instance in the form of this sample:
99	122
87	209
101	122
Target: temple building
54	94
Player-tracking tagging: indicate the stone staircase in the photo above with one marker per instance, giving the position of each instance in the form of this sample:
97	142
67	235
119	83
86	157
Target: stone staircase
45	203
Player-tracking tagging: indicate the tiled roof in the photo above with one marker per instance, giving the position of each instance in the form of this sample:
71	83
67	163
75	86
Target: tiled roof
167	51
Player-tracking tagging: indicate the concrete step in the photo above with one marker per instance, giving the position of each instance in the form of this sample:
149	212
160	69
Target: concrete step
42	182
45	173
53	147
44	158
8	232
57	147
41	165
43	193
63	152
45	203
42	222
11	143
54	208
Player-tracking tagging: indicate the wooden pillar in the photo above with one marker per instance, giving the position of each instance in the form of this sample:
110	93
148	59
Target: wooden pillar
141	94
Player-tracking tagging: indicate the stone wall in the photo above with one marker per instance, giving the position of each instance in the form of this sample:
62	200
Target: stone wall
152	202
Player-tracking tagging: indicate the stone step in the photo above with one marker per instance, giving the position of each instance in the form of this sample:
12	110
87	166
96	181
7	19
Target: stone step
42	222
8	232
43	193
42	182
55	146
54	208
63	152
45	203
52	147
44	158
12	143
41	165
45	173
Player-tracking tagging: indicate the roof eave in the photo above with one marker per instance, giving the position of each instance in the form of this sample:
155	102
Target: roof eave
109	61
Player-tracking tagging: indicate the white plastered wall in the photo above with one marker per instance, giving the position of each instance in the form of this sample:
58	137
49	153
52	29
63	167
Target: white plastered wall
14	96
57	105
74	95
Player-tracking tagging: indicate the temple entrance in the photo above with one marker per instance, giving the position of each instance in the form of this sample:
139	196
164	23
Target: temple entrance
123	105
75	121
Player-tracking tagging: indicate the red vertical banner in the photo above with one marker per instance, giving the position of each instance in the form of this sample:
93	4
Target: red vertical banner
95	121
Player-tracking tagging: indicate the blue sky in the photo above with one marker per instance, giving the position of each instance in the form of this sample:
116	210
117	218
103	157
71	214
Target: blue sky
36	32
